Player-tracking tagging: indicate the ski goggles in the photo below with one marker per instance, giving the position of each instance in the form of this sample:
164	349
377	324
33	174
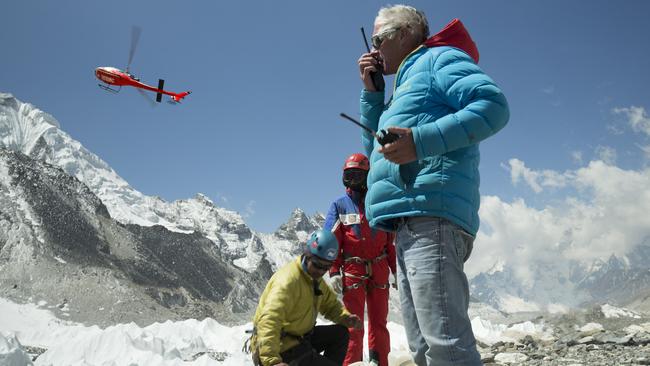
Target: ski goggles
355	175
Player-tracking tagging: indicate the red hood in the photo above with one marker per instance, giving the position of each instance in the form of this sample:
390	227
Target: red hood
454	34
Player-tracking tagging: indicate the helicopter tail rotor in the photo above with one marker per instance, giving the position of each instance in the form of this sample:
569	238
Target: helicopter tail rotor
161	84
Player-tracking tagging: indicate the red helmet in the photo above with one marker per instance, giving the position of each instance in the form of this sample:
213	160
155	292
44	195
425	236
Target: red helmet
358	161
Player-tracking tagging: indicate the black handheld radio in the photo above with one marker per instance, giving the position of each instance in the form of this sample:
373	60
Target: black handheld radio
377	78
383	137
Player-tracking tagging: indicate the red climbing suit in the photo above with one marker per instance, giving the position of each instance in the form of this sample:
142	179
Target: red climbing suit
366	258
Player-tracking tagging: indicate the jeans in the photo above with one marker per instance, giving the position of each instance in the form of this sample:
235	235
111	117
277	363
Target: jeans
434	292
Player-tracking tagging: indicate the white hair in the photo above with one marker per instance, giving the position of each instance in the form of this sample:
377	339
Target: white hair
404	17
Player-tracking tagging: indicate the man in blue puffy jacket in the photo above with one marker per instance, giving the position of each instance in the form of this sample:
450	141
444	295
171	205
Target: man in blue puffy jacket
425	185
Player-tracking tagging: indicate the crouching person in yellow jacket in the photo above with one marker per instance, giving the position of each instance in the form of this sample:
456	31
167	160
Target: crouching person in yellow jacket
285	332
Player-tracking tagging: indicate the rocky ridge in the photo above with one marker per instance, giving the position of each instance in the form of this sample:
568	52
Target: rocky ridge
59	244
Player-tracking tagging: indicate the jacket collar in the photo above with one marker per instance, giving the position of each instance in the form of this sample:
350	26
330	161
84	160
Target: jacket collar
453	34
456	35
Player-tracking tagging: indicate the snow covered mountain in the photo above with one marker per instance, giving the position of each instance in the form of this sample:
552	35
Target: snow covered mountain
619	280
59	244
286	242
560	285
26	129
73	220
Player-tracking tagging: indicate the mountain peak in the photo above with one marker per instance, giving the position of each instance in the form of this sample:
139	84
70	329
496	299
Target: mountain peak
22	125
298	222
6	96
298	212
25	128
498	266
615	263
204	199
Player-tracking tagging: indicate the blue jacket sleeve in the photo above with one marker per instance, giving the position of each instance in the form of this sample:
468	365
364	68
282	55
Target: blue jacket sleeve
372	106
481	107
332	216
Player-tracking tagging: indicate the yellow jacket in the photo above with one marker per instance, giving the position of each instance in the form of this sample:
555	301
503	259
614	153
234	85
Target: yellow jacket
288	304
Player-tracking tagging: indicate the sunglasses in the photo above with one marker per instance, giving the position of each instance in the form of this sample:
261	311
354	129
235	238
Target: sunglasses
321	266
380	37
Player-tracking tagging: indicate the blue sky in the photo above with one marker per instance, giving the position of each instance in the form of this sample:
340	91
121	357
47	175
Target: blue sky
261	134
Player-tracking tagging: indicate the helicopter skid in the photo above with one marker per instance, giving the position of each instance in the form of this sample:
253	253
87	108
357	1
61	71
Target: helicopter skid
107	88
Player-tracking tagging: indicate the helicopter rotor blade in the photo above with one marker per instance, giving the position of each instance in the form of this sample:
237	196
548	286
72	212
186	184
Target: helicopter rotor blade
147	97
135	37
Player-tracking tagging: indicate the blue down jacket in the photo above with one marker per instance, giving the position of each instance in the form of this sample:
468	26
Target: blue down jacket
451	106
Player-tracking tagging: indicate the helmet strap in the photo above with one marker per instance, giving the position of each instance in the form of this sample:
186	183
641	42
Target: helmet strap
317	291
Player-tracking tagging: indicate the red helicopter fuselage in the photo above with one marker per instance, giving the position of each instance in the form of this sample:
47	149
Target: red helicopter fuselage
117	77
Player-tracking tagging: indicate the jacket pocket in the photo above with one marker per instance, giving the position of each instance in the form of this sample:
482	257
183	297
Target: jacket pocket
410	172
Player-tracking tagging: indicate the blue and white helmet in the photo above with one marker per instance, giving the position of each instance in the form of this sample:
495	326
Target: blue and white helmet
323	244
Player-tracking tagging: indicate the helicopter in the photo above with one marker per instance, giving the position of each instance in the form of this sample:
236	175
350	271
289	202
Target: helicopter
114	76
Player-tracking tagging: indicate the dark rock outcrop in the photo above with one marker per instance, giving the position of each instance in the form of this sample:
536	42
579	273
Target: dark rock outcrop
58	241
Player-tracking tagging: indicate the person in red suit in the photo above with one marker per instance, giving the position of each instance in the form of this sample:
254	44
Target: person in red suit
364	264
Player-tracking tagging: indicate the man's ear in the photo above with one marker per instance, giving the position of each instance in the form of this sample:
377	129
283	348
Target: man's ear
405	37
403	32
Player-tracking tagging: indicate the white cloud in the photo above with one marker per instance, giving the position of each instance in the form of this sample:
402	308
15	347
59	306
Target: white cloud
604	211
636	118
577	157
607	214
606	154
646	150
536	179
615	129
516	236
249	210
549	90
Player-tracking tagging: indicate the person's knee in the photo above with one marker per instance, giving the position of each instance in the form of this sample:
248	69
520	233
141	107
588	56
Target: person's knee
342	333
